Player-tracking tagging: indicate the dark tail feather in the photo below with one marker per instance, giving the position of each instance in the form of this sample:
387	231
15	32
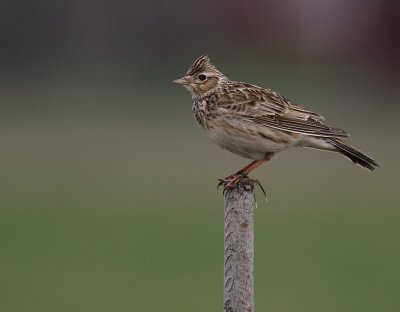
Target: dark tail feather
354	155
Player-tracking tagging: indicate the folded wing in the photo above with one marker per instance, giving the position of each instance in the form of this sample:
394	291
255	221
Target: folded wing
265	107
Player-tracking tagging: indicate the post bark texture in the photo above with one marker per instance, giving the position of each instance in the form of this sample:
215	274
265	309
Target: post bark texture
239	247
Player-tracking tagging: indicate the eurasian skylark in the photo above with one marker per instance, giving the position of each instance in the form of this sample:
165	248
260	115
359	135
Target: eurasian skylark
255	122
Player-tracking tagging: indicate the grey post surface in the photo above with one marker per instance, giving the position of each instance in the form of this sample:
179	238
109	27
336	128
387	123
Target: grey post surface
239	247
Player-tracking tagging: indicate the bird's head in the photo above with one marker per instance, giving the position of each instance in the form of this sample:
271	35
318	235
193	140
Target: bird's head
201	78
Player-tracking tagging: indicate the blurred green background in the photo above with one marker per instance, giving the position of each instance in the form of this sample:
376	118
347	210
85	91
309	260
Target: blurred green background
107	186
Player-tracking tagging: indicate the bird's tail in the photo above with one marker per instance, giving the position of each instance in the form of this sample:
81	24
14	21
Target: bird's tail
353	154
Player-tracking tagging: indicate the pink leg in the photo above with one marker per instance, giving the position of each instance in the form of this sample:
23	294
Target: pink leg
232	180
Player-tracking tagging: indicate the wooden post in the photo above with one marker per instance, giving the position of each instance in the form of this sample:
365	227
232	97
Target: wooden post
239	247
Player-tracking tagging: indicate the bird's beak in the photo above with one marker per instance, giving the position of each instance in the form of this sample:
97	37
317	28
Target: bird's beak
182	81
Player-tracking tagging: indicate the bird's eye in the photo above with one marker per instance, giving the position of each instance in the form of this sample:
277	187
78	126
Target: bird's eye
202	77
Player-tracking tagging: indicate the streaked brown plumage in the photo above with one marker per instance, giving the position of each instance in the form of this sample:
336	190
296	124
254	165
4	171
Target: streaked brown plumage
256	122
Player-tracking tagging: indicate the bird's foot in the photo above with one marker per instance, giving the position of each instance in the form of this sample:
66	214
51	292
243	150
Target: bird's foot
230	181
239	180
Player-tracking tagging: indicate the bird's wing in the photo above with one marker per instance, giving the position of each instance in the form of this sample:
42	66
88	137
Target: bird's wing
266	107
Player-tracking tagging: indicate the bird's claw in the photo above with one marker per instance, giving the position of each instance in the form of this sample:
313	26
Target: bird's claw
237	180
256	181
230	181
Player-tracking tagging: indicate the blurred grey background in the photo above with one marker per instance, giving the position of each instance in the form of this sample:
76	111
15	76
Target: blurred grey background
108	197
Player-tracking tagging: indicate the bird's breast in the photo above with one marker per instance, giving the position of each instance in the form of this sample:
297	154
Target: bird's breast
203	113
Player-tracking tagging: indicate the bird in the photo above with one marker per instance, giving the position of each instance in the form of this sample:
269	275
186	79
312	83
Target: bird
257	123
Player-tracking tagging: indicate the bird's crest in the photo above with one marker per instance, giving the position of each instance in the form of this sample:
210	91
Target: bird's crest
200	65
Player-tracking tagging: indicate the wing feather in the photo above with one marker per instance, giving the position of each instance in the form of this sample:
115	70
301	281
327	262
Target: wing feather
266	107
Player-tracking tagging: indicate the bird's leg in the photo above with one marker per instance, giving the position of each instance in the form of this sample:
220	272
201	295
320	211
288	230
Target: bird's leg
233	180
246	168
